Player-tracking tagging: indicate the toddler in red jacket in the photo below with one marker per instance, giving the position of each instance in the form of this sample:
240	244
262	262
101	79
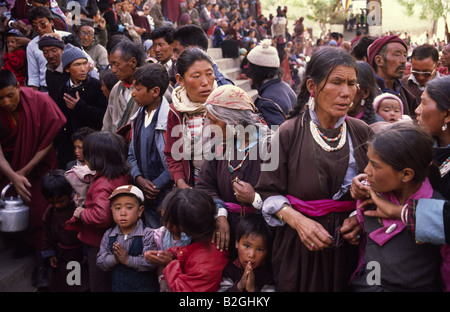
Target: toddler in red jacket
198	266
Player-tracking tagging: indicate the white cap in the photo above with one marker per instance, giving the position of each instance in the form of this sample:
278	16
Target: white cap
128	189
264	55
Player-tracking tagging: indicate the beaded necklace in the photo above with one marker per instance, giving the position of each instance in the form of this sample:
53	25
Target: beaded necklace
444	168
230	167
320	138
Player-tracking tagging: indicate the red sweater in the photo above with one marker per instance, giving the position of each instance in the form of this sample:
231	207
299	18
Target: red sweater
197	268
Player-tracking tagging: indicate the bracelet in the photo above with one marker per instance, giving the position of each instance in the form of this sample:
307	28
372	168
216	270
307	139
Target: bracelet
280	216
353	213
404	214
160	278
257	202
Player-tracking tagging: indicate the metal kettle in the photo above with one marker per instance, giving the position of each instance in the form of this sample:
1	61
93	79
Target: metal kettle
14	214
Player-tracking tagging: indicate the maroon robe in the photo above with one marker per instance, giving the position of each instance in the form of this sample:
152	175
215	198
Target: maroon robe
39	122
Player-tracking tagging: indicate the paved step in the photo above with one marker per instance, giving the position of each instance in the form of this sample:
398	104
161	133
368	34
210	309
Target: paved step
15	274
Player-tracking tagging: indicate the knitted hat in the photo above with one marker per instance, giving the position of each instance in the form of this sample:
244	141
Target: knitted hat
264	55
50	41
70	54
380	98
232	97
378	44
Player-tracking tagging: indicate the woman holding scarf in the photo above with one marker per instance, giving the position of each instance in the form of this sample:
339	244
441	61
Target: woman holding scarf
307	196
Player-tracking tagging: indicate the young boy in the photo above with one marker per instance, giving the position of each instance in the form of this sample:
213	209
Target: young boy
146	152
60	246
251	270
123	246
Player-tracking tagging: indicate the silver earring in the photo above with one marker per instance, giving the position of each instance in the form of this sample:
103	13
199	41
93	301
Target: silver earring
311	103
444	127
363	102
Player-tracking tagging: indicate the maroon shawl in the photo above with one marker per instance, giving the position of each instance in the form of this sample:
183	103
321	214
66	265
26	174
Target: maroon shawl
39	122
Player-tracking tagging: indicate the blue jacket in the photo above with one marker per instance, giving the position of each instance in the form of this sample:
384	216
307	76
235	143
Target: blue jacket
275	99
163	180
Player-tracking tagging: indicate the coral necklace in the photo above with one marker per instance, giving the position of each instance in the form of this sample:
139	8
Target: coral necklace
444	168
320	138
233	169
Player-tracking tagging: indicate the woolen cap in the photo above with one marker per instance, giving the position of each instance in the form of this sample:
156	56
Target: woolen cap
70	54
128	190
50	41
380	98
264	55
378	44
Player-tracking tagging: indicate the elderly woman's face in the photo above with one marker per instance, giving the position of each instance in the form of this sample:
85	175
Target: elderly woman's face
198	81
335	97
429	116
214	122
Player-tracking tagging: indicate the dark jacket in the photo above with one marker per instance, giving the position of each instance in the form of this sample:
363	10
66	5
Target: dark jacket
91	107
276	98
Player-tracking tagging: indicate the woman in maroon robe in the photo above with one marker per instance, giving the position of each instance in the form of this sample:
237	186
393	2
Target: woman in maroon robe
29	121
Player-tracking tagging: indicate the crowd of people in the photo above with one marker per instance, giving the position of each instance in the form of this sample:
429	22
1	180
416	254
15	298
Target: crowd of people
143	162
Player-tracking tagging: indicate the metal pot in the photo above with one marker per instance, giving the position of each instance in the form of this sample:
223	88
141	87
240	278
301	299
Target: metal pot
14	214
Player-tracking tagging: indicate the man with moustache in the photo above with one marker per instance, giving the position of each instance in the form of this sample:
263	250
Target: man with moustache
42	23
52	47
387	56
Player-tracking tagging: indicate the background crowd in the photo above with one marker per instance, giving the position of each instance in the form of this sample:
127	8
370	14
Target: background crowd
93	107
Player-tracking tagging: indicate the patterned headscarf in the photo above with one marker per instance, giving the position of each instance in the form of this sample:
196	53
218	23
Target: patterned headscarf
232	97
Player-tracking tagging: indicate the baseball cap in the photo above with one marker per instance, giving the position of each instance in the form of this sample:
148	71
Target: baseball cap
129	190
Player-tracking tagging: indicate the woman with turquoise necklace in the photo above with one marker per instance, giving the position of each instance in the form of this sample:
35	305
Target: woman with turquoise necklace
229	177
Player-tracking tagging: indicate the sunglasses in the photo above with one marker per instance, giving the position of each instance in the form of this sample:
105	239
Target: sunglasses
40	25
426	73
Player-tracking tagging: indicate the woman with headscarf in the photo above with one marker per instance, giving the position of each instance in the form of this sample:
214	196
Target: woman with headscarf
307	196
229	176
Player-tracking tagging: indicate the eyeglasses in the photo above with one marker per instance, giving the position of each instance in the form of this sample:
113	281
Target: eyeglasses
40	25
86	34
426	73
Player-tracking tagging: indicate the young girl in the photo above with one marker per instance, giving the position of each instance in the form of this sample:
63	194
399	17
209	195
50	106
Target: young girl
198	266
251	270
389	107
123	246
167	236
390	259
78	174
105	153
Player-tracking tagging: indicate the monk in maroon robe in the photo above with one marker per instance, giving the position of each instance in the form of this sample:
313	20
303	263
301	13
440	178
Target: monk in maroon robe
29	121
